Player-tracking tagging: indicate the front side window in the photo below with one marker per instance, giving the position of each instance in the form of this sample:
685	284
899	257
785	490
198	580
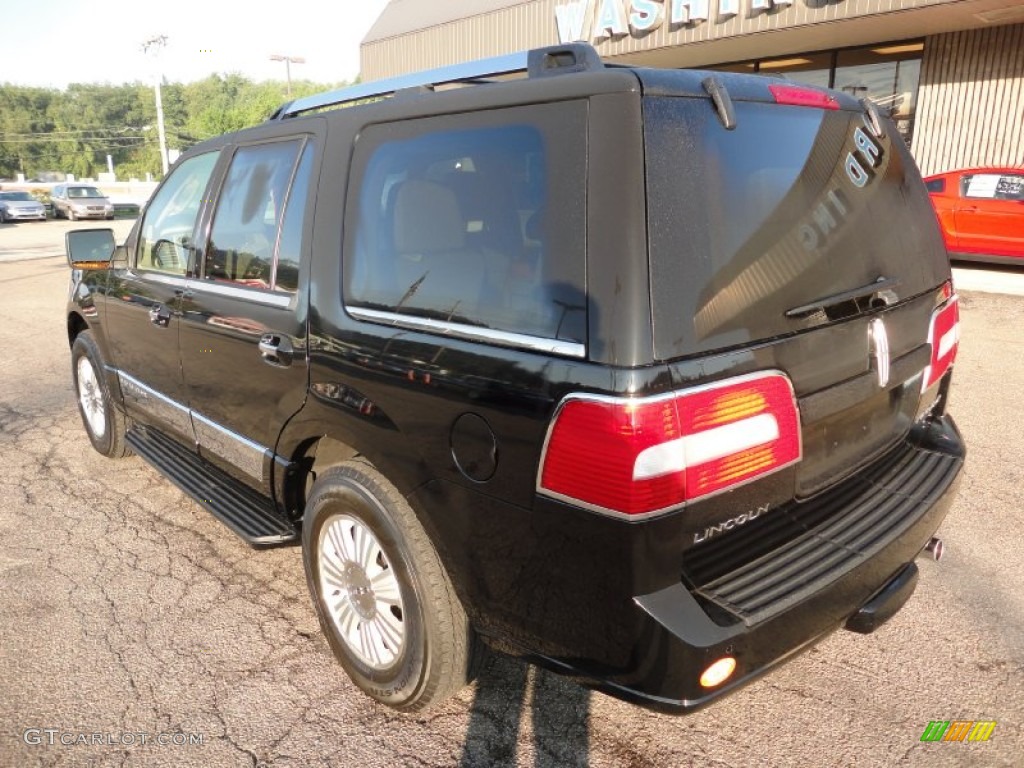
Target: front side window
249	214
473	226
166	233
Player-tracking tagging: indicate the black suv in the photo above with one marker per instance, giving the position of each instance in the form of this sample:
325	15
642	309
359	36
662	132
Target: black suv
639	374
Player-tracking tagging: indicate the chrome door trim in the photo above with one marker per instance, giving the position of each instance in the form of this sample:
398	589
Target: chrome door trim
255	295
247	455
160	406
471	332
239	451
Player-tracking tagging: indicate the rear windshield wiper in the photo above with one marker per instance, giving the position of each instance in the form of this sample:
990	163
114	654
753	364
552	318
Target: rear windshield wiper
882	290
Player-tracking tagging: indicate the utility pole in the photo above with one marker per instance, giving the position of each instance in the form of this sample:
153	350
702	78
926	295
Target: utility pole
156	43
288	61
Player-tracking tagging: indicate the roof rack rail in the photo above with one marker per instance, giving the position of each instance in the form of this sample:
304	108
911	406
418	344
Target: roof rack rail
539	62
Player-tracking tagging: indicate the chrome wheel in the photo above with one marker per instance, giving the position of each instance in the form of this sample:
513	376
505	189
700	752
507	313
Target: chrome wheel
361	592
90	397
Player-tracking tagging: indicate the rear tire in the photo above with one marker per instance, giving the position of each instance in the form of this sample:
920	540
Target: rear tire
384	600
104	422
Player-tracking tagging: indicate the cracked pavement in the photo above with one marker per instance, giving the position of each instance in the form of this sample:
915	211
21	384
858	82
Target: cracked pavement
127	609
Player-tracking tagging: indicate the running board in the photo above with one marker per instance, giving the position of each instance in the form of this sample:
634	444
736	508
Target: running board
242	509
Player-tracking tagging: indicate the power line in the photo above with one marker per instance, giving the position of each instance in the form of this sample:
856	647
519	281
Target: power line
75	130
80	140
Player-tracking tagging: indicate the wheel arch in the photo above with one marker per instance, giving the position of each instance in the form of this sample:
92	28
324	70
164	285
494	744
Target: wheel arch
317	453
76	324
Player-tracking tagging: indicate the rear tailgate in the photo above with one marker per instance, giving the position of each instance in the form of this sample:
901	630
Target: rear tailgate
805	236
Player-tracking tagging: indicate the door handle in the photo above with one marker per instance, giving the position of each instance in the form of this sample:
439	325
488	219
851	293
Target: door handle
276	349
160	316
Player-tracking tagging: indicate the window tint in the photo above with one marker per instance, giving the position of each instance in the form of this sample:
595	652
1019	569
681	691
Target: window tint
249	214
286	272
748	224
936	185
455	223
166	238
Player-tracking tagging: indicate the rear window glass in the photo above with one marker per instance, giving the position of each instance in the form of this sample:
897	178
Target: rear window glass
474	221
794	205
935	185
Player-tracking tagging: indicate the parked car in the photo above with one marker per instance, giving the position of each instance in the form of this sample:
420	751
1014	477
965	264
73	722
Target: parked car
20	206
618	369
981	212
80	201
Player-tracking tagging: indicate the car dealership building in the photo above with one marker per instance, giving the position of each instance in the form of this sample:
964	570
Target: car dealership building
950	72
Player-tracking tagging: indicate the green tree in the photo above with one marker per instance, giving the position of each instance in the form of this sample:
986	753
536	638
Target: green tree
72	131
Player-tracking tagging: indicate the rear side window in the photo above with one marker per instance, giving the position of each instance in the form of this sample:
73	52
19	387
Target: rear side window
245	235
935	185
468	223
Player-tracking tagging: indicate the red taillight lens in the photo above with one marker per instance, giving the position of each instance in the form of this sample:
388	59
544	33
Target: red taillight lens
797	96
944	336
637	456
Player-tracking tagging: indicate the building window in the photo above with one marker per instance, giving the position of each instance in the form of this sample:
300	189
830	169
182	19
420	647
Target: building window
812	68
887	74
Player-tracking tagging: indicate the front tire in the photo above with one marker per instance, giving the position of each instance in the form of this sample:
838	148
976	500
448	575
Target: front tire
383	598
103	420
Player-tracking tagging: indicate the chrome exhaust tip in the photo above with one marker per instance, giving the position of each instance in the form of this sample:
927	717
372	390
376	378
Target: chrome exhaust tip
934	548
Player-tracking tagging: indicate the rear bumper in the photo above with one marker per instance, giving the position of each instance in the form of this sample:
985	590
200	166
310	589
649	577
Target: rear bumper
847	564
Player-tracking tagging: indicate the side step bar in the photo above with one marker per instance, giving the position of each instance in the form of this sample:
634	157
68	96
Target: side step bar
243	510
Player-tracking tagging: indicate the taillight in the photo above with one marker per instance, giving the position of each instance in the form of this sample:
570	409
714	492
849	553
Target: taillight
944	336
799	96
640	456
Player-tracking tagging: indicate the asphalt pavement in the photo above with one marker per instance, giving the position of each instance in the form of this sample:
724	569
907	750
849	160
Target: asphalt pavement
136	630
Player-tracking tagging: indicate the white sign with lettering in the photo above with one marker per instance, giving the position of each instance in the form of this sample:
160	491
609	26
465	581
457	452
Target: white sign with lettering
598	20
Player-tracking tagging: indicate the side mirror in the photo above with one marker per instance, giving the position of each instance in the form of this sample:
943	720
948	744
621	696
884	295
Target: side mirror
89	248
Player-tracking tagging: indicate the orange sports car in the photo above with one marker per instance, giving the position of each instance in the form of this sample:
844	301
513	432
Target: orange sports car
981	212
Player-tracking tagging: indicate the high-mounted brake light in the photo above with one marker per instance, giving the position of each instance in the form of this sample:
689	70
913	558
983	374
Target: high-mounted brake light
798	96
640	456
944	336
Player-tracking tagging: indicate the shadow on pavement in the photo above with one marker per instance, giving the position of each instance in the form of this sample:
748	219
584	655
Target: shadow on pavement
558	716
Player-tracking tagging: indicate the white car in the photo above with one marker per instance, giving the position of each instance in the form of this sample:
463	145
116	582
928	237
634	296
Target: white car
20	206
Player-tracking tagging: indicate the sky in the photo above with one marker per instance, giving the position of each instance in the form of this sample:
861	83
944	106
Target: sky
51	43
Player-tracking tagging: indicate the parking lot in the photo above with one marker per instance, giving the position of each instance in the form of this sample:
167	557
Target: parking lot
130	614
